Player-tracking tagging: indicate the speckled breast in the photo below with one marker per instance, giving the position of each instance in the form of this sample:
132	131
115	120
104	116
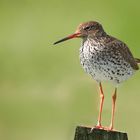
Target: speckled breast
104	63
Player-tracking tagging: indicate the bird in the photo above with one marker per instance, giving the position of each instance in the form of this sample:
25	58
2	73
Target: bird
106	59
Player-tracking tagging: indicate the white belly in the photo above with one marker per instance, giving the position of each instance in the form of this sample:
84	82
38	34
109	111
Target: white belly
102	67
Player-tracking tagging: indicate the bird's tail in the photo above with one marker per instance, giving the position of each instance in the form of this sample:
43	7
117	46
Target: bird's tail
137	60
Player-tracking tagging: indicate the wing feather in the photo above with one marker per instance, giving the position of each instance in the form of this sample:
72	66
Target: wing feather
125	52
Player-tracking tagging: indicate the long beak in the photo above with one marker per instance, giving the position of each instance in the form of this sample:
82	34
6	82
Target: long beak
68	37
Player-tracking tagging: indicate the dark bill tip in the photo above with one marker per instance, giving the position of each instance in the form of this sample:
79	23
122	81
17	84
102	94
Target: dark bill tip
67	38
64	39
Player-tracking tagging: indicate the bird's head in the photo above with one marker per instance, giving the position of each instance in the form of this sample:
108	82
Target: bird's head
84	30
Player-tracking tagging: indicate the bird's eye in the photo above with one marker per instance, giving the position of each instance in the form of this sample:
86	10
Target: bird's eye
87	28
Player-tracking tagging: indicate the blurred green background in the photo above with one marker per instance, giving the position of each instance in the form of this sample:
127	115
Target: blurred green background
44	92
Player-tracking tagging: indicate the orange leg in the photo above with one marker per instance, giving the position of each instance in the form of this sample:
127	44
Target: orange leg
113	109
101	107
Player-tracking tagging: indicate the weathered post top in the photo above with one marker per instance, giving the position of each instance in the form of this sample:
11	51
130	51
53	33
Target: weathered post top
87	133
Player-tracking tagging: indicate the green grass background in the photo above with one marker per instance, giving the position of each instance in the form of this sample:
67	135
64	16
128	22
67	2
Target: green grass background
44	92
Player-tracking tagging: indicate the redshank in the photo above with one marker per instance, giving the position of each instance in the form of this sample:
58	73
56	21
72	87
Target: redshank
105	58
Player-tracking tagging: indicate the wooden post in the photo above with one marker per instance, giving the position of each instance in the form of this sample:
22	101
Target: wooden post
87	133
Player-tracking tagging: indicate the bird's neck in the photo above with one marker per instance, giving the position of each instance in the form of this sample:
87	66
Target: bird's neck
98	34
97	37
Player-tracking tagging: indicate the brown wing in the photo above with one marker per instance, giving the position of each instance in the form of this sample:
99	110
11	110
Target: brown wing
137	60
124	52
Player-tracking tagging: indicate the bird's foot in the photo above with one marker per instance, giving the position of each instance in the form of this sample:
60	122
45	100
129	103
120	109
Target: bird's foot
99	127
110	128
